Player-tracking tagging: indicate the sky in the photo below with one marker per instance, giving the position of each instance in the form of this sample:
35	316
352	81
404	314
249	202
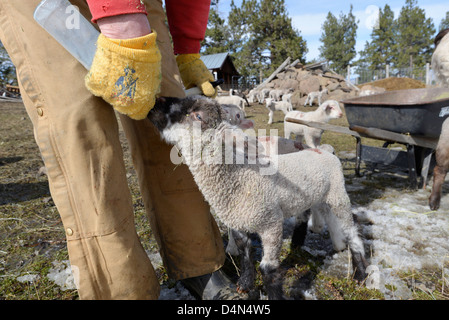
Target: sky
308	16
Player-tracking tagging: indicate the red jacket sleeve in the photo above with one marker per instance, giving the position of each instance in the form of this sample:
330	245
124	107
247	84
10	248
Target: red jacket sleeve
187	20
108	8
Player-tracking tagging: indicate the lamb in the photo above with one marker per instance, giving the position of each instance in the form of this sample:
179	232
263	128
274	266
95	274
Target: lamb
277	106
440	57
236	116
442	166
315	95
287	97
252	95
236	100
276	94
274	145
252	198
312	136
440	65
263	94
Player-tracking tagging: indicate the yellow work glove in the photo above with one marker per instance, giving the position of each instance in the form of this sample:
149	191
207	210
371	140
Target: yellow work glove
127	74
195	74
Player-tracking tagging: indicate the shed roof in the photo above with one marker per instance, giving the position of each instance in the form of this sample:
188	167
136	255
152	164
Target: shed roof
214	61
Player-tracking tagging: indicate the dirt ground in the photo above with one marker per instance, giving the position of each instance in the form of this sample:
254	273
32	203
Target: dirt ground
32	239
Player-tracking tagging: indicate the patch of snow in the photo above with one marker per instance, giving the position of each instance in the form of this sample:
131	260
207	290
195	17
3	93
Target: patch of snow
28	278
62	275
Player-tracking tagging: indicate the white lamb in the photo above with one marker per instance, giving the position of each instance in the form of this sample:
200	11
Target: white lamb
262	95
287	97
252	96
246	198
273	106
236	100
273	146
315	95
276	94
312	136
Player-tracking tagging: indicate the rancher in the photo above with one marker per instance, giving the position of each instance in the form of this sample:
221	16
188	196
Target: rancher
77	132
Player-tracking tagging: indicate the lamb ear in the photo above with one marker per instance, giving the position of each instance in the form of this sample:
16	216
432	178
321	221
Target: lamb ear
325	105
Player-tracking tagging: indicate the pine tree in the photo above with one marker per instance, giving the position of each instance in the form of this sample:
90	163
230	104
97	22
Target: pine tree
217	34
380	51
7	69
245	52
338	40
444	24
275	35
259	35
414	36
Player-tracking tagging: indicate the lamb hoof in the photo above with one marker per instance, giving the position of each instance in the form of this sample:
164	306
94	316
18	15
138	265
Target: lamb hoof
242	290
359	265
434	203
244	286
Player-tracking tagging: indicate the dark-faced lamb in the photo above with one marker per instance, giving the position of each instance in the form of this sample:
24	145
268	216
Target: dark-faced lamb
273	106
312	136
256	198
442	166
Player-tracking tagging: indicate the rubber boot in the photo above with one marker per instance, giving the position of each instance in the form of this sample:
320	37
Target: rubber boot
213	286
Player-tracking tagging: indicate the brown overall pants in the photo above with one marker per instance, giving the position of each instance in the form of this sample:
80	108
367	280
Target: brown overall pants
78	136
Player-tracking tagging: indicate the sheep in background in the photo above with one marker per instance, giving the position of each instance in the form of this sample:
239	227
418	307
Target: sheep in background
274	145
256	198
235	92
315	95
442	166
252	96
312	136
440	65
276	94
440	57
263	94
272	106
287	97
236	100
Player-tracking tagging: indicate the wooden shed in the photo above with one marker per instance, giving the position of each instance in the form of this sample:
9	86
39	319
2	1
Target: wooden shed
221	65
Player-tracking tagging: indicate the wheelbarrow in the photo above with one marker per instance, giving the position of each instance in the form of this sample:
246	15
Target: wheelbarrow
409	117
